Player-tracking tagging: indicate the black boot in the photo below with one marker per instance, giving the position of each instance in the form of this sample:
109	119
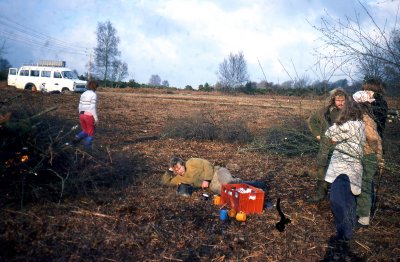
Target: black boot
258	184
75	141
322	190
184	190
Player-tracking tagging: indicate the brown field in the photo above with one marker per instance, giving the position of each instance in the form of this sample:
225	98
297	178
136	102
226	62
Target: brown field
128	216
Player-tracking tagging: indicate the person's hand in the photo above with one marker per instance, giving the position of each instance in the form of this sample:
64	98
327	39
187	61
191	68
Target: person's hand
318	137
205	184
381	164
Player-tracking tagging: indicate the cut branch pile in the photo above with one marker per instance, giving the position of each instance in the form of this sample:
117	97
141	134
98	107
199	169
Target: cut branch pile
37	161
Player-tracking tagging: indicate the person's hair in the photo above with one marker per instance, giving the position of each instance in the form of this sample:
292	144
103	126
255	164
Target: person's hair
350	112
366	108
92	85
373	84
337	92
176	160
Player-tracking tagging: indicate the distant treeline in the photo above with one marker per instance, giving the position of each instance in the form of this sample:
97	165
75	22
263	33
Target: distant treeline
253	88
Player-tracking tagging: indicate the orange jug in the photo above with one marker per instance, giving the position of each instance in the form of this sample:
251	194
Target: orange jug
217	200
241	216
232	213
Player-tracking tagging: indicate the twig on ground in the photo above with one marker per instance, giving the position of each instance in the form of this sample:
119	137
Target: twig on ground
83	212
363	246
22	213
109	154
172	259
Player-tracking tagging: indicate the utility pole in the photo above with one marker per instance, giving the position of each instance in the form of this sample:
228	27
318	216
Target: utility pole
90	62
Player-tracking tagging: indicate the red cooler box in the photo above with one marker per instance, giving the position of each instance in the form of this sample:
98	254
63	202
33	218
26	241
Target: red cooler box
243	197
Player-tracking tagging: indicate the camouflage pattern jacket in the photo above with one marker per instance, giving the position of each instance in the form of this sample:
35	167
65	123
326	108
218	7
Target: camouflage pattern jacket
321	120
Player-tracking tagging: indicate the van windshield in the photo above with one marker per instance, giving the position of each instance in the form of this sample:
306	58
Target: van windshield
69	74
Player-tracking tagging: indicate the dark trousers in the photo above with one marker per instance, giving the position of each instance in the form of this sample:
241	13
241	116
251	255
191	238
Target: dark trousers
343	204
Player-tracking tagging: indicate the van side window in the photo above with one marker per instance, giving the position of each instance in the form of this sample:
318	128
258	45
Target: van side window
57	75
13	71
24	73
35	73
46	74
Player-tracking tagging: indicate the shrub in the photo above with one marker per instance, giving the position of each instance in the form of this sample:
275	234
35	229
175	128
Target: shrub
203	126
37	164
3	75
292	138
234	131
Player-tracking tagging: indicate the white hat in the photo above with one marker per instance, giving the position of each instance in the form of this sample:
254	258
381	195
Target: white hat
364	96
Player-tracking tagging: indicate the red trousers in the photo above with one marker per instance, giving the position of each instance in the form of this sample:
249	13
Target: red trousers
87	124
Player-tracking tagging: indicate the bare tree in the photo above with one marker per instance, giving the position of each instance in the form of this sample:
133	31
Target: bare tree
155	80
356	46
2	48
4	66
263	84
302	82
233	71
296	81
287	84
392	72
119	71
106	51
165	83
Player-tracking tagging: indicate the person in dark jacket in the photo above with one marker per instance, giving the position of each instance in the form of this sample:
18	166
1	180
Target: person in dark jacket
379	105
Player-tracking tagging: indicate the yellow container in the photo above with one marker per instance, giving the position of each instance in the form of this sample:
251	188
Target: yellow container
241	216
217	200
232	213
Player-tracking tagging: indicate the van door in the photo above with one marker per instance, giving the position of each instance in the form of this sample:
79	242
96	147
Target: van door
12	76
45	79
53	82
57	77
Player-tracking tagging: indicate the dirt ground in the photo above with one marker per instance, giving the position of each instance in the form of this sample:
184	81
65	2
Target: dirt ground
119	211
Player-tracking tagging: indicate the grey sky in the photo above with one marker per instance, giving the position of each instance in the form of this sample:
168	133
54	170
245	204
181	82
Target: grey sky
183	41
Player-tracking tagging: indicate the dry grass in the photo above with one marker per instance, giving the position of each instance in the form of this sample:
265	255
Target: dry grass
130	217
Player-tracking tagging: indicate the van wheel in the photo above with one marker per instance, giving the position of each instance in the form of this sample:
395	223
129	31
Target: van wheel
31	87
65	90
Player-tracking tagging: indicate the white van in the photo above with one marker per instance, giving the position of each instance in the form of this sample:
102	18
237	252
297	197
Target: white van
47	76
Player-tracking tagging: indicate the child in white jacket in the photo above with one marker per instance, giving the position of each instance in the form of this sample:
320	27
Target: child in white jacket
345	167
87	115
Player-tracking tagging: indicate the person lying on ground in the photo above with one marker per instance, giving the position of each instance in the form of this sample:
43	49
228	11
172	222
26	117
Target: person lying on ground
199	173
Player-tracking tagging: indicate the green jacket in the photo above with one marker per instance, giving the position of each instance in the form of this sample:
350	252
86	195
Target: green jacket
321	120
197	170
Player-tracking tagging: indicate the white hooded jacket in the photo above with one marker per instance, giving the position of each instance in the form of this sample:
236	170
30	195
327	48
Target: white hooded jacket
349	139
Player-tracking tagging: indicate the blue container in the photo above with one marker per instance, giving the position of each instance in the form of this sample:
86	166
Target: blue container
223	214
